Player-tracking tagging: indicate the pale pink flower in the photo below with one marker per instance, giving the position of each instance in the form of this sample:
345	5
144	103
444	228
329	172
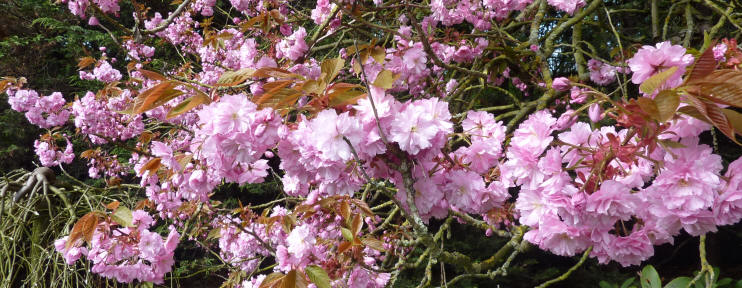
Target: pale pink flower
650	60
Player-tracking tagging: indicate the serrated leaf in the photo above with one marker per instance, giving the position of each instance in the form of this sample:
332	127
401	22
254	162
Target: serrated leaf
705	64
188	104
279	98
649	278
356	67
385	79
318	276
83	229
379	54
656	81
345	210
363	206
735	118
667	102
331	68
341	98
374	243
113	205
693	112
720	120
152	75
293	280
155	97
313	87
680	282
277	84
649	107
278	73
347	234
671	144
628	282
214	234
85	62
272	280
722	86
604	284
344	246
232	78
356	225
151	166
123	217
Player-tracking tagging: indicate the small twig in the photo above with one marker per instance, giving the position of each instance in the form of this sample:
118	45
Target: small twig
358	160
370	97
569	272
429	50
169	19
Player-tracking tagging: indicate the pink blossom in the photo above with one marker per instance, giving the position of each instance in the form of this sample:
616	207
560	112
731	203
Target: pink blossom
728	205
650	60
631	249
615	200
419	123
415	59
561	84
595	112
568	6
601	73
719	51
294	46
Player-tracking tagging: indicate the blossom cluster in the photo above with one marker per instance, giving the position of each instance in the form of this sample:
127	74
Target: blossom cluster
125	253
43	111
313	240
49	155
99	117
575	184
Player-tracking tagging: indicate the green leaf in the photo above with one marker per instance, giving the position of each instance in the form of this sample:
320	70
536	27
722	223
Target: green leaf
656	81
667	103
231	78
214	234
356	225
188	104
379	54
331	68
342	97
735	118
346	233
385	79
628	282
649	278
373	243
680	282
724	281
318	276
649	107
122	215
604	284
273	279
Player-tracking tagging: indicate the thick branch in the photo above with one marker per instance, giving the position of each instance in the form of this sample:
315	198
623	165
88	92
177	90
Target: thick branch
499	257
